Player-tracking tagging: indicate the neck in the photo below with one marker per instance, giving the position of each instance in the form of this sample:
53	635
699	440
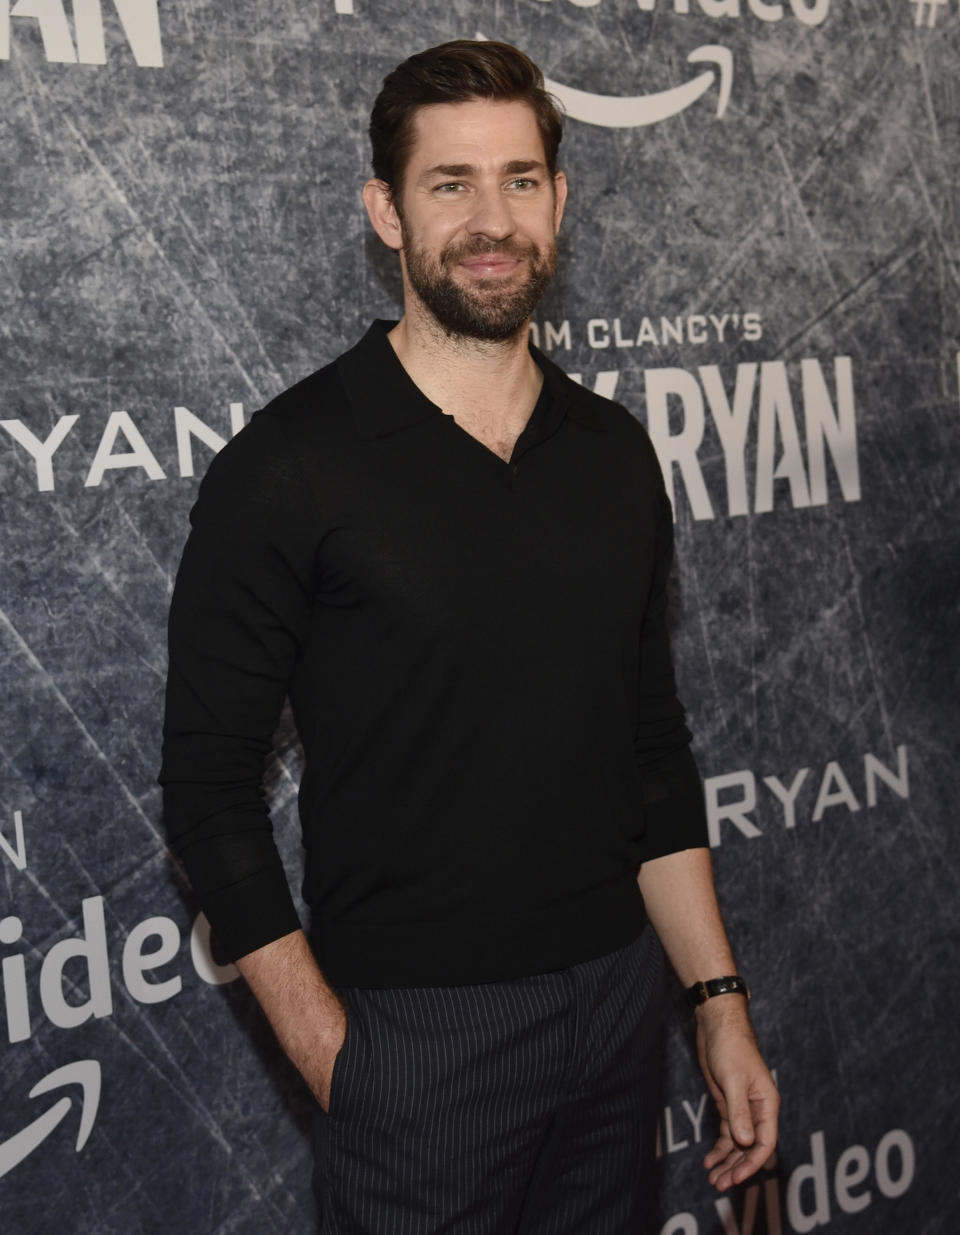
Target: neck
491	384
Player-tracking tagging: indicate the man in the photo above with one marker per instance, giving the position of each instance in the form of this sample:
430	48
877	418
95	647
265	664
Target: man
454	560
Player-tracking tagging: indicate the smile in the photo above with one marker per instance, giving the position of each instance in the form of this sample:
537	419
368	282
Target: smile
490	265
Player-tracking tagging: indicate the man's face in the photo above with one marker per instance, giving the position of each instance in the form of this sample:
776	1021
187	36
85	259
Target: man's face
479	214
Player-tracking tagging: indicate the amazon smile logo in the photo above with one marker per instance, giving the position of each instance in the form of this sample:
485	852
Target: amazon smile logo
83	1072
631	111
613	111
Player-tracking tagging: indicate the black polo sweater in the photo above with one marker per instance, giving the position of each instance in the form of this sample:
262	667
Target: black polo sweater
477	658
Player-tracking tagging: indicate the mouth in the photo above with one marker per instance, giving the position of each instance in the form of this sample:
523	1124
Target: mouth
490	265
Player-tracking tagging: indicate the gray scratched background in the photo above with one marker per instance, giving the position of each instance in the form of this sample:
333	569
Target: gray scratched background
191	235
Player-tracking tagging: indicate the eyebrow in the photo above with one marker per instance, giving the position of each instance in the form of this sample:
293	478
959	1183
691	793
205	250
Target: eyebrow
516	167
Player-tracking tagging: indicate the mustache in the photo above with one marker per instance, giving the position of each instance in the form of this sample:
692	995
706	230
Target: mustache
480	246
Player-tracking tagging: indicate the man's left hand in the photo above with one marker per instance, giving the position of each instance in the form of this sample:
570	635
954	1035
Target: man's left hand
742	1087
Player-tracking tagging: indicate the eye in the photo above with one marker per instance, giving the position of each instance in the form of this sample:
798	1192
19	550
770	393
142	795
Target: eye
523	183
453	186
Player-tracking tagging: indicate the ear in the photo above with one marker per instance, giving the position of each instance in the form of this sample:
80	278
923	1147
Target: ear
559	198
378	199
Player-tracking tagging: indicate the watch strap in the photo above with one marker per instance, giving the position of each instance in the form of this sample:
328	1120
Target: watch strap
700	992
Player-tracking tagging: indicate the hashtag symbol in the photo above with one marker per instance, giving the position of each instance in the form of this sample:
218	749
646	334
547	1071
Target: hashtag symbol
928	8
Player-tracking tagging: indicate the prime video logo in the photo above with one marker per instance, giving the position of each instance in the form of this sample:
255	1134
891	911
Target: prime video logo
147	946
635	111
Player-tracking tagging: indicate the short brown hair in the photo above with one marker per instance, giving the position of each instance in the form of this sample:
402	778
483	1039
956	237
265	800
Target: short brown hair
456	72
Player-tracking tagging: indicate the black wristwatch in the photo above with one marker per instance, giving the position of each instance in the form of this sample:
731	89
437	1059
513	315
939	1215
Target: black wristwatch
700	992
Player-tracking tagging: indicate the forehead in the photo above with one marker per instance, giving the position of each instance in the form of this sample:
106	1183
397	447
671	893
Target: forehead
481	132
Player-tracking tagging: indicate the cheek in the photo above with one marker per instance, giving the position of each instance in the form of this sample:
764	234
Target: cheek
434	235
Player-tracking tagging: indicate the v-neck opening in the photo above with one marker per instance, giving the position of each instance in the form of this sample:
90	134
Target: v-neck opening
542	423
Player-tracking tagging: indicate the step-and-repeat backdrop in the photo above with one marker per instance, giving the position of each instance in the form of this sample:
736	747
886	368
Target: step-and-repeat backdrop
761	258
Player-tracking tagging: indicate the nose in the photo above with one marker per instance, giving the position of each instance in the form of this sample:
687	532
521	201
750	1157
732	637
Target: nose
491	215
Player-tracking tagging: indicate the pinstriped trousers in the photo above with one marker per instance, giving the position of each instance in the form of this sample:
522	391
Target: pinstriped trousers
525	1107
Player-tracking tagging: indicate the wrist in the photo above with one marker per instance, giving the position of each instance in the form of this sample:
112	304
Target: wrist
730	1011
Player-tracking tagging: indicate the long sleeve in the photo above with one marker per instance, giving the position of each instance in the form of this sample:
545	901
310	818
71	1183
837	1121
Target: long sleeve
672	792
238	620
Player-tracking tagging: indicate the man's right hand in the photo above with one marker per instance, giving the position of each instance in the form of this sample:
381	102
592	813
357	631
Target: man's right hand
306	1014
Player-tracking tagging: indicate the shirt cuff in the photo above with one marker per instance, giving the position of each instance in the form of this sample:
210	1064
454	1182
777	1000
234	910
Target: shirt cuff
673	809
250	914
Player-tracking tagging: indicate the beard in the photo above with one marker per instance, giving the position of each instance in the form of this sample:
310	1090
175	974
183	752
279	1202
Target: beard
493	310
